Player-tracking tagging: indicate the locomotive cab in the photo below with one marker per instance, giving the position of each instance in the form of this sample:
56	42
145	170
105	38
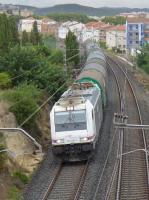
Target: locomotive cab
73	127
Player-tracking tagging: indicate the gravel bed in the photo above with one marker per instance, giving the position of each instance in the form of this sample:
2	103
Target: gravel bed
42	178
97	164
45	173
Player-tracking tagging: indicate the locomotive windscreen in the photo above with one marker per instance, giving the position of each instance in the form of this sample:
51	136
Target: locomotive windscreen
70	120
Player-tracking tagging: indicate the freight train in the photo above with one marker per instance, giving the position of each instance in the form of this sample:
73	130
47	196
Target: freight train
76	118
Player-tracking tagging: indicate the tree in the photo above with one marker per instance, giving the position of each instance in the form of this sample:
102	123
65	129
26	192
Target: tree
8	33
35	37
56	57
114	20
72	48
25	38
4	33
143	59
24	100
13	31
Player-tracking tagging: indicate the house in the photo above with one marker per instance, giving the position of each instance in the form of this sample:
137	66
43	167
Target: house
73	26
27	24
49	26
92	31
26	13
95	31
137	32
116	37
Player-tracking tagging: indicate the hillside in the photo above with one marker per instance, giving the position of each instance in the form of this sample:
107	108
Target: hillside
75	8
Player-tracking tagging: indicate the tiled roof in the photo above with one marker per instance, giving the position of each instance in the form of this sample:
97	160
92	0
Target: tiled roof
117	28
94	24
138	20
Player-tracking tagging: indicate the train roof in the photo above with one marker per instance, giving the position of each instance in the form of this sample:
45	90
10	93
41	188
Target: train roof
78	95
97	55
97	66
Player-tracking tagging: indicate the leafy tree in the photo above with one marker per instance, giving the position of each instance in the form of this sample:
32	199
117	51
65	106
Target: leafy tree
143	59
25	38
13	31
35	37
20	62
8	33
72	48
24	99
56	57
50	77
118	20
62	17
4	33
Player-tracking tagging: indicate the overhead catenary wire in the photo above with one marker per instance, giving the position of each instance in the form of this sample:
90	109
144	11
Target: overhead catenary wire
105	164
20	75
43	89
40	107
43	104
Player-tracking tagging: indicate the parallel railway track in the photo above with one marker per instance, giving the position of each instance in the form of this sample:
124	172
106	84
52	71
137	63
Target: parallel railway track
67	182
132	179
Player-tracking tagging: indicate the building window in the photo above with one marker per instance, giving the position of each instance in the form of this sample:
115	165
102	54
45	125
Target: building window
130	27
130	42
137	34
130	34
137	42
136	26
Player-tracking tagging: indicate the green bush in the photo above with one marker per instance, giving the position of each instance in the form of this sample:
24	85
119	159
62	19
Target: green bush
143	59
23	177
24	99
5	80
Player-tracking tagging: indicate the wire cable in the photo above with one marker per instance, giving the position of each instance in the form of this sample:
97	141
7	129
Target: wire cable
40	107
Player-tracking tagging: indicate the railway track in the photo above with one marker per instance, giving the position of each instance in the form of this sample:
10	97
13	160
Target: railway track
67	182
132	179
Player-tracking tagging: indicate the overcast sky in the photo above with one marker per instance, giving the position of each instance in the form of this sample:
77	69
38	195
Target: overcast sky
93	3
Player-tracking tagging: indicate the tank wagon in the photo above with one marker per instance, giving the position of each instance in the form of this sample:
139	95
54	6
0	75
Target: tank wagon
76	118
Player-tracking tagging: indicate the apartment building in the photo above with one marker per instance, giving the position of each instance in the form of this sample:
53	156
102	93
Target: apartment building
137	32
116	37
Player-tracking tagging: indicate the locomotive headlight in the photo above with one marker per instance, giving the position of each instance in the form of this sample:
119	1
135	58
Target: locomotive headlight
60	141
84	139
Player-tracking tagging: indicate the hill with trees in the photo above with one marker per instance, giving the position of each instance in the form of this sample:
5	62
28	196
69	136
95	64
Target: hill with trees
76	8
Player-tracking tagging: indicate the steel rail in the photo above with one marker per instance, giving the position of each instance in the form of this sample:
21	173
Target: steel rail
51	185
120	97
120	142
140	119
77	192
138	107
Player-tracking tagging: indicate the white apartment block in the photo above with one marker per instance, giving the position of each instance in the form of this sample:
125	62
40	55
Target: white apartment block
75	27
27	24
91	33
116	38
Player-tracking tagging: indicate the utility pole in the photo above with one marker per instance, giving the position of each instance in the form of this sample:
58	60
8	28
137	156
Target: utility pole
124	123
65	62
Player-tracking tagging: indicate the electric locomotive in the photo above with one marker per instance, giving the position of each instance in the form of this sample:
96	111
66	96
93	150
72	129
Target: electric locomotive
76	118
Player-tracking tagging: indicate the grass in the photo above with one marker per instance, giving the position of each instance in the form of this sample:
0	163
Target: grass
23	177
14	194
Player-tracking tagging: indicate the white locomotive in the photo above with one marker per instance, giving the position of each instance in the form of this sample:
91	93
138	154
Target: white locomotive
77	116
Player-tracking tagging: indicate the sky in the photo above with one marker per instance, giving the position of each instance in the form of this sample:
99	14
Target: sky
93	3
